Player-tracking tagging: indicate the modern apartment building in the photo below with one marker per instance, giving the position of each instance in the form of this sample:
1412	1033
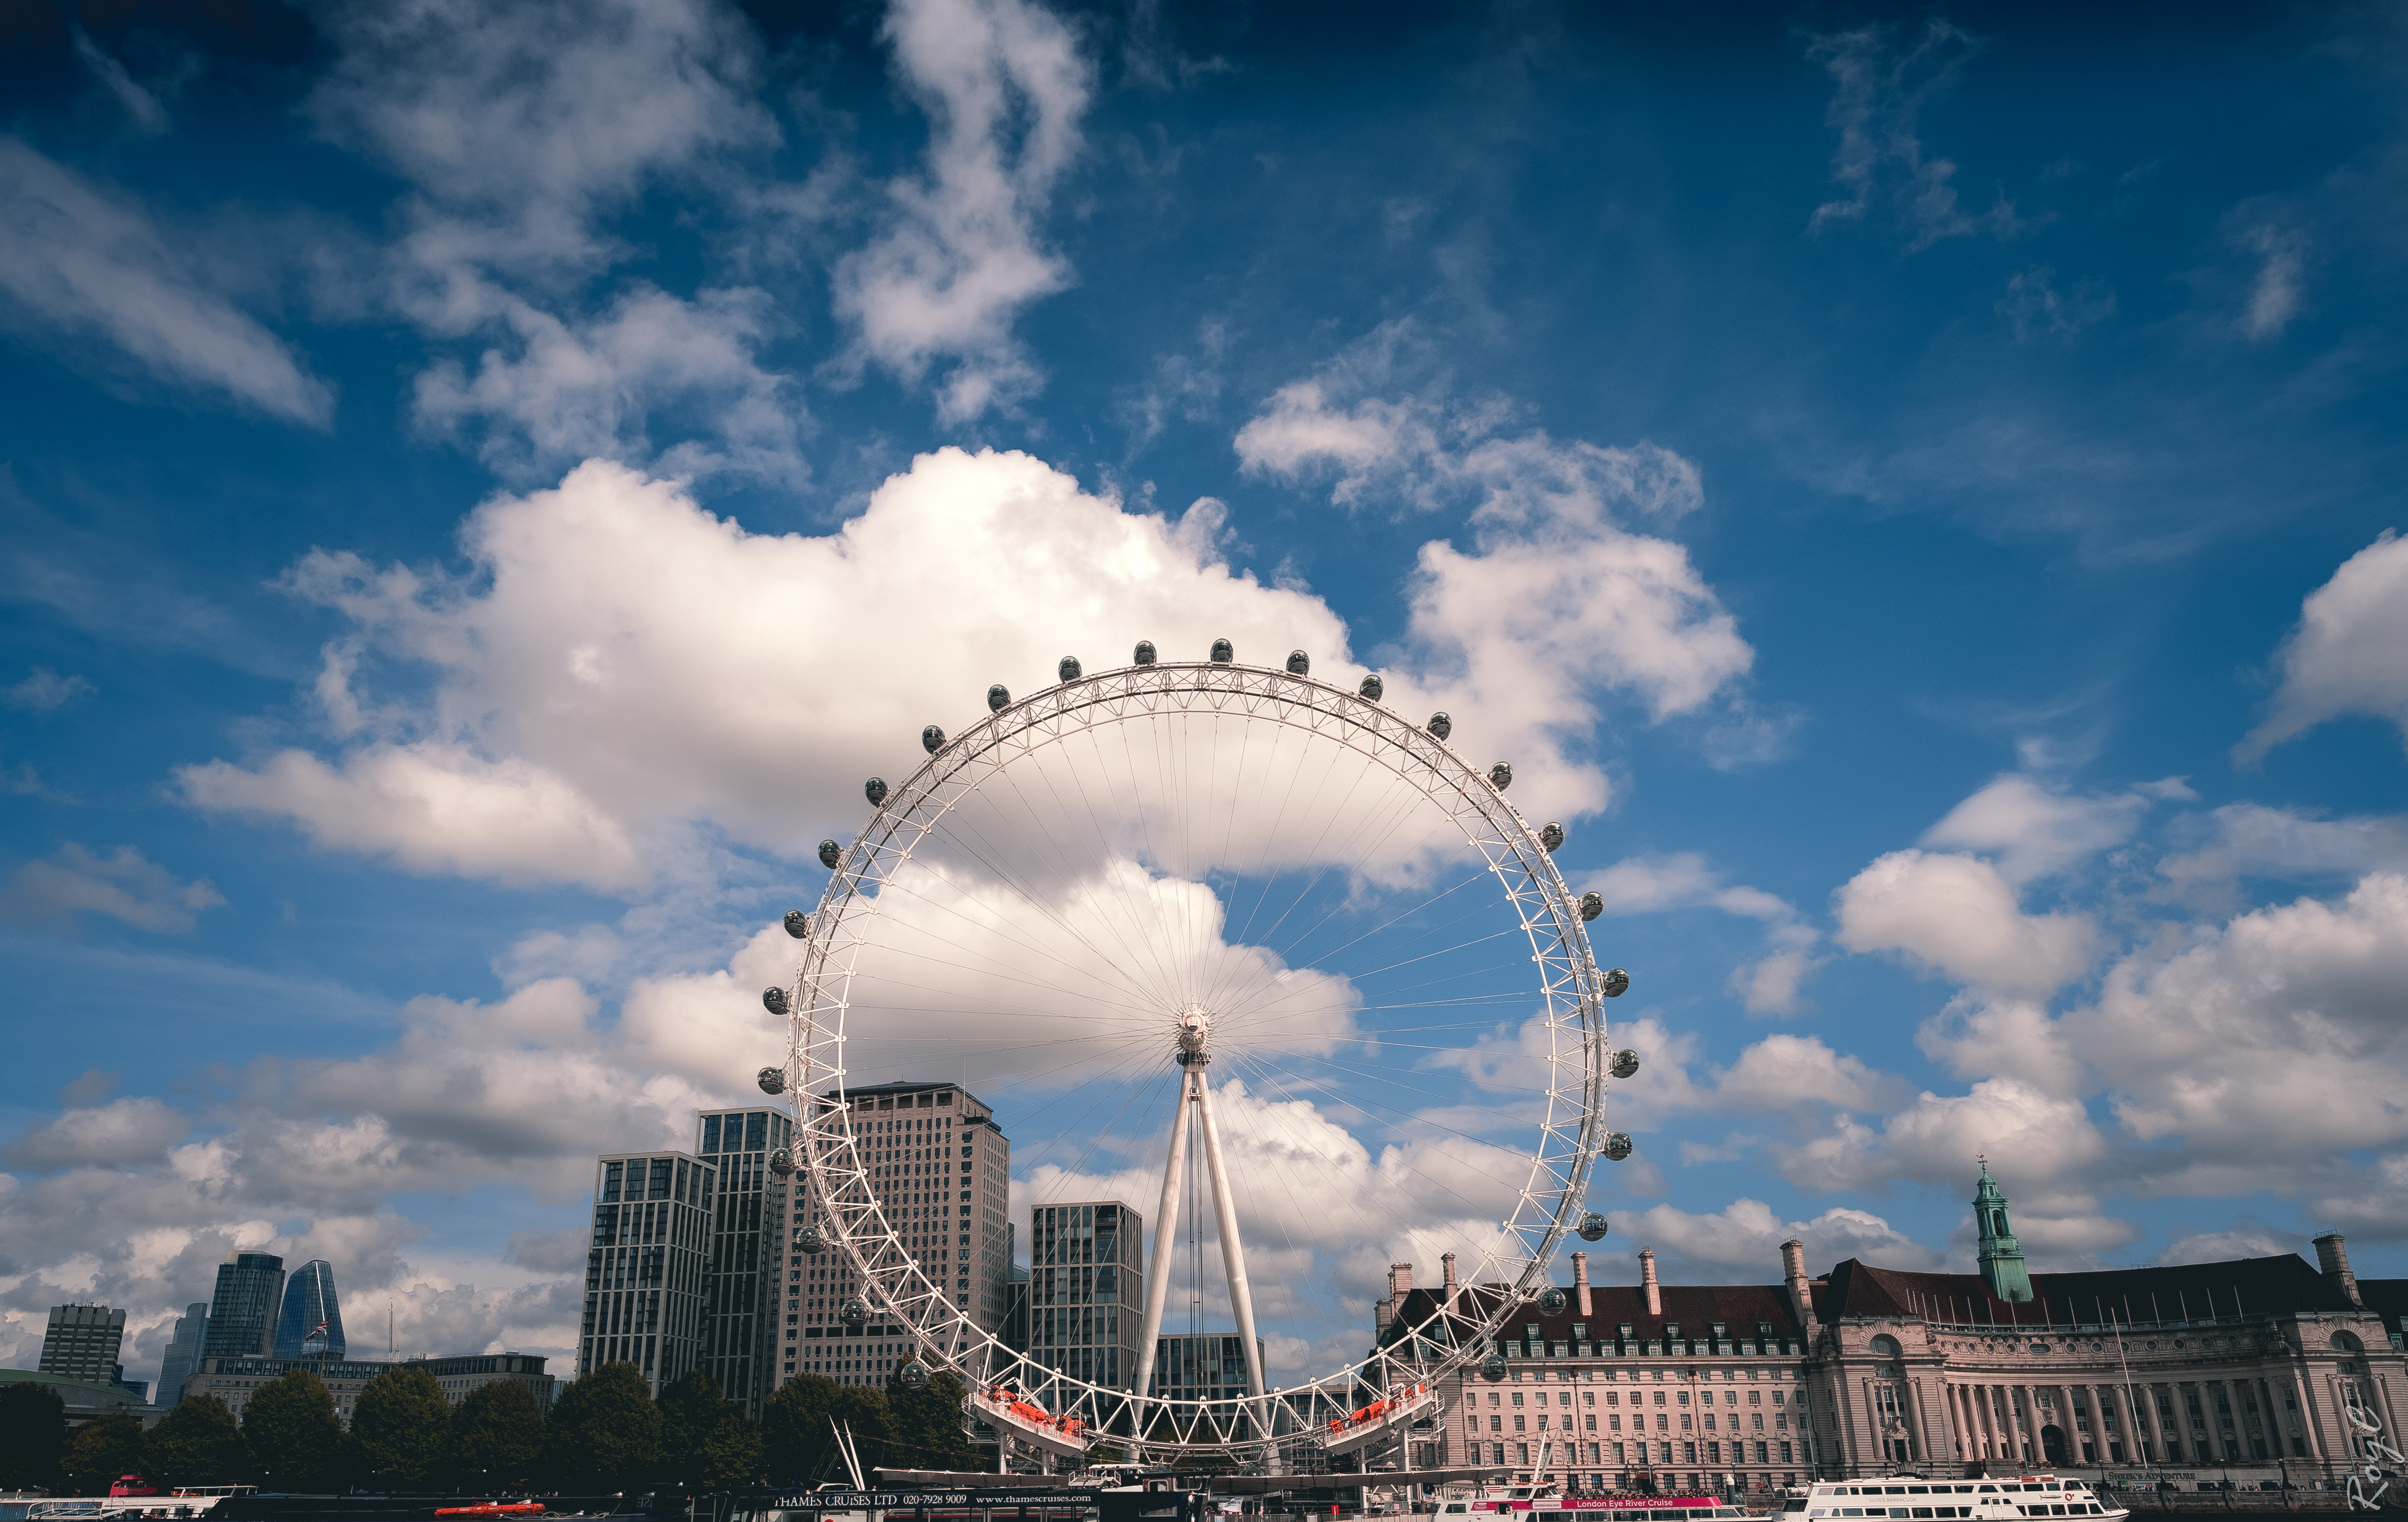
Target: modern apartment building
311	1321
242	1312
747	1237
941	1170
645	1274
1087	1289
81	1343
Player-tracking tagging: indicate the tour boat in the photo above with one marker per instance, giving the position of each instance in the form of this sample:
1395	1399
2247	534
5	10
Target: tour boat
133	1496
493	1508
1546	1498
1400	1408
1997	1499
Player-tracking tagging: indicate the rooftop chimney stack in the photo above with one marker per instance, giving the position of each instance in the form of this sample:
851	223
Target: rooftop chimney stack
1401	1281
1446	1263
1580	1281
1801	1293
2333	1256
1647	1280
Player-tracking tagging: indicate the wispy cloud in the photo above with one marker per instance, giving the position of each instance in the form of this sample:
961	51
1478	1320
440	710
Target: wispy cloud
1880	161
1004	85
127	886
80	263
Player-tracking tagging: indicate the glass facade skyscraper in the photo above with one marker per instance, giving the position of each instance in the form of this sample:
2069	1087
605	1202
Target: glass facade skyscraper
183	1352
242	1312
309	1305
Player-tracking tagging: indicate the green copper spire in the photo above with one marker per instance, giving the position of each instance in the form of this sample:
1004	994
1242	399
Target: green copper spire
2003	1261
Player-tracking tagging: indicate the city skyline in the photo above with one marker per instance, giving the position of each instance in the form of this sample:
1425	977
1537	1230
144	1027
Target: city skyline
1908	495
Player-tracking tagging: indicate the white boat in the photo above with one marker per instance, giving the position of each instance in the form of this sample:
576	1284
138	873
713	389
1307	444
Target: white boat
185	1501
1401	1407
1019	1417
1997	1500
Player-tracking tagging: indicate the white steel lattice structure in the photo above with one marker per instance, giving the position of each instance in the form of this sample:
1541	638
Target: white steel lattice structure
939	853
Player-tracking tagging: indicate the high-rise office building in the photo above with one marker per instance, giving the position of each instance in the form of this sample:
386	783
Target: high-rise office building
242	1312
183	1352
81	1343
644	1271
1201	1365
1087	1289
941	1170
748	1232
311	1323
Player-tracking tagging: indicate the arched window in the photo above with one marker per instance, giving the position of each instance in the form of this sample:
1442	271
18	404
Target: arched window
1997	1223
1886	1347
2347	1342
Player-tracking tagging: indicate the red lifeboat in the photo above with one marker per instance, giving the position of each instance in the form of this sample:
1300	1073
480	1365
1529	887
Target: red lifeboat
131	1485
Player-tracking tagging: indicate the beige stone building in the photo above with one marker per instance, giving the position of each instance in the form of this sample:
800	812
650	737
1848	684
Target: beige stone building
2256	1371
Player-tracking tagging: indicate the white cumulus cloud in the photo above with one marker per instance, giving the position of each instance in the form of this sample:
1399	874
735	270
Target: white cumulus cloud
2349	653
1959	915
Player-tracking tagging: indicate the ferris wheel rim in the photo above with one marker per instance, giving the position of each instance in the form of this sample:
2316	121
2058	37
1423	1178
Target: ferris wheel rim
944	1334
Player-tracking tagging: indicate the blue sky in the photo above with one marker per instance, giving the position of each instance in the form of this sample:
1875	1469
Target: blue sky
1913	489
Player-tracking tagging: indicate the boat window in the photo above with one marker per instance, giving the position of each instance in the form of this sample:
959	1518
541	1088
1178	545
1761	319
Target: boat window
1918	1490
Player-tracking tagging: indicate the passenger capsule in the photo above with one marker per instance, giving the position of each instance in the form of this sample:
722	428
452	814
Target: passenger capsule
1591	906
1617	1145
774	1001
1552	1301
1299	664
1144	656
1491	1368
808	1240
1068	668
1372	688
875	791
798	924
782	1163
915	1376
853	1313
1441	725
1224	652
1626	1062
999	697
1618	982
1551	835
1592	1228
932	739
772	1080
830	853
1500	776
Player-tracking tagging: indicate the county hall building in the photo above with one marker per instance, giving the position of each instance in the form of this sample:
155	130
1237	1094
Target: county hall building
2248	1370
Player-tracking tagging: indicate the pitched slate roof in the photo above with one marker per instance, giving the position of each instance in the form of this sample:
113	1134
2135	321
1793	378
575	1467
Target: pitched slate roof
2188	1291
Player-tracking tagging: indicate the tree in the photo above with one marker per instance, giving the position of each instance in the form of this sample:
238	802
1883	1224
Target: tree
706	1442
295	1438
105	1447
794	1427
400	1425
497	1433
604	1433
198	1444
33	1437
927	1427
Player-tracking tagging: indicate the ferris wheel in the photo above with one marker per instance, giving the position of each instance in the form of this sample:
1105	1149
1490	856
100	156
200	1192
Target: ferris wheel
1241	945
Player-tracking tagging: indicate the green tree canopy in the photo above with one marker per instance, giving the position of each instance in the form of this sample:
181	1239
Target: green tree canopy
33	1437
927	1427
706	1441
497	1432
796	1434
400	1427
198	1444
103	1448
295	1438
604	1433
